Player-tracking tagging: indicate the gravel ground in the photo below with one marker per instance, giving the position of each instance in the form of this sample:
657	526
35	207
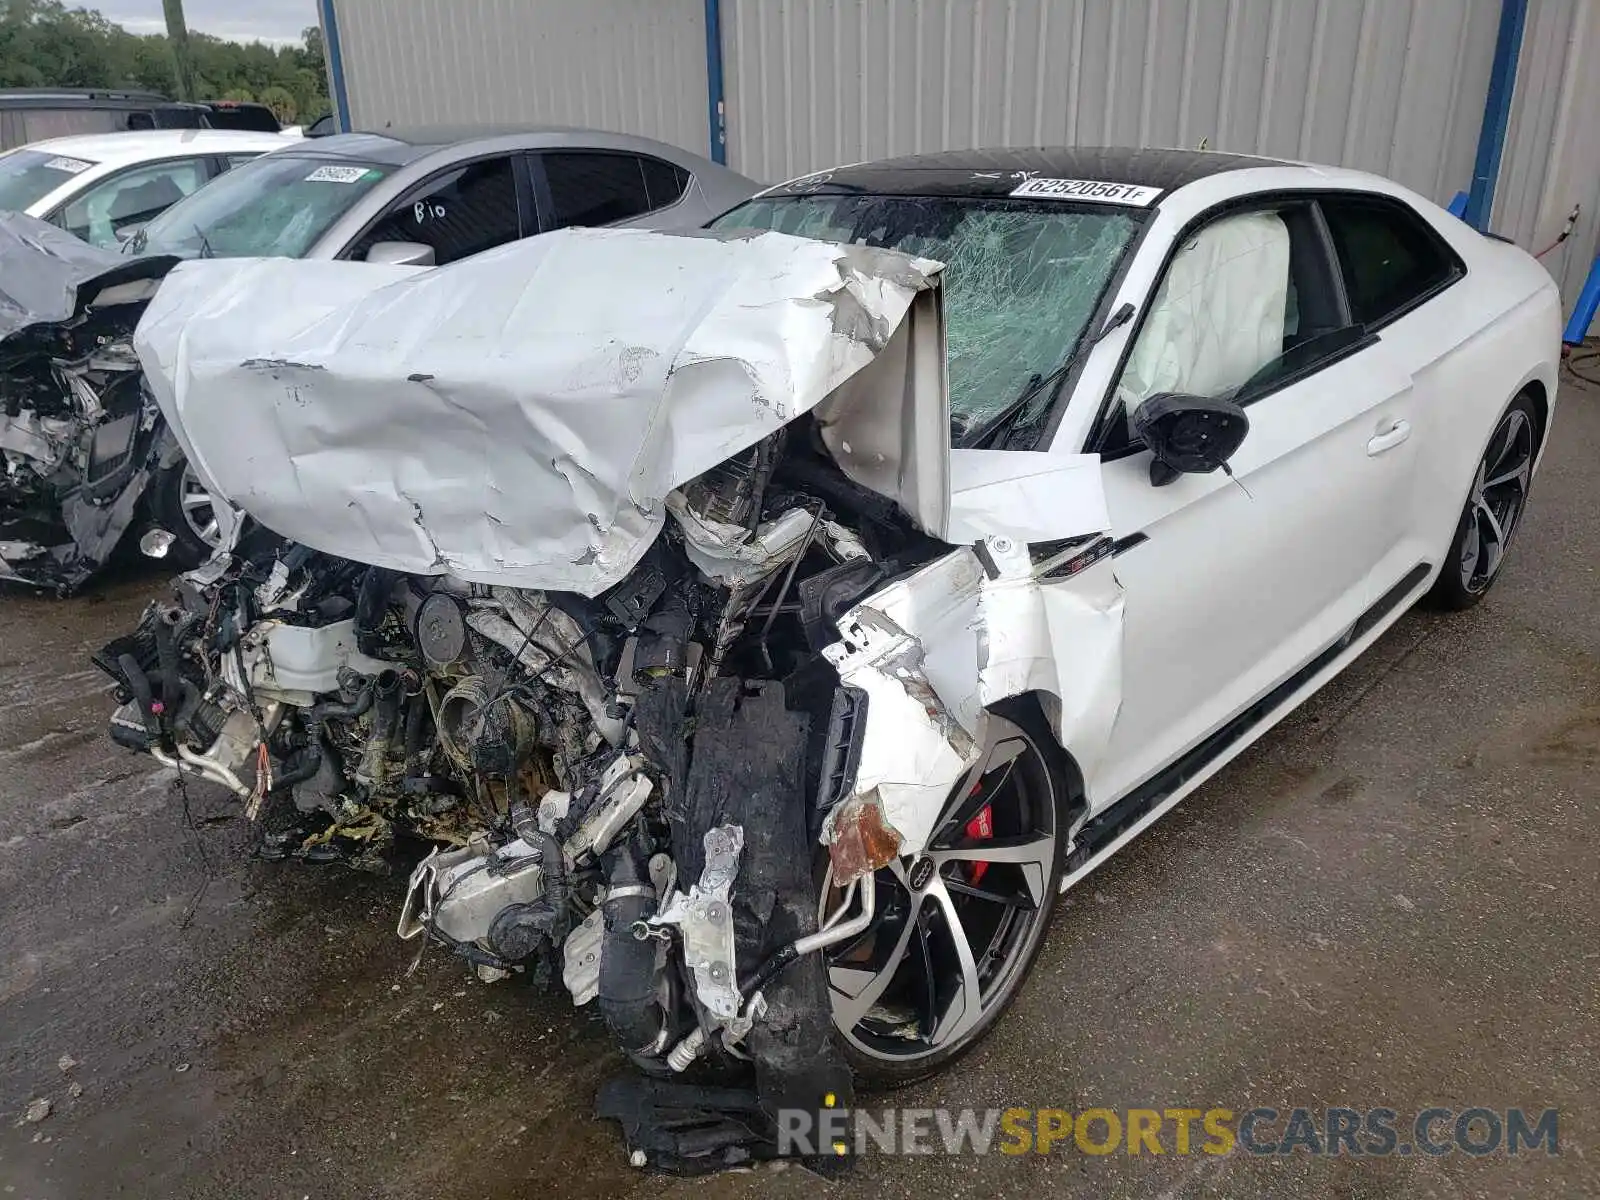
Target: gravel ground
1389	901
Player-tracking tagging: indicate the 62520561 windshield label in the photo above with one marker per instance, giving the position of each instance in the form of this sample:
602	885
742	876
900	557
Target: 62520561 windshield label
1094	190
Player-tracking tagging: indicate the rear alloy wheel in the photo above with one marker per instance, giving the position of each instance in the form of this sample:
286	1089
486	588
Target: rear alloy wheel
958	926
1494	508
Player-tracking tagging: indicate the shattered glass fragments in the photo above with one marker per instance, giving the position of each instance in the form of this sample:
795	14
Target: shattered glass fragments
1021	281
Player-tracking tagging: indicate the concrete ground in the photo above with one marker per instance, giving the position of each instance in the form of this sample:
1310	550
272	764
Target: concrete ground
1390	901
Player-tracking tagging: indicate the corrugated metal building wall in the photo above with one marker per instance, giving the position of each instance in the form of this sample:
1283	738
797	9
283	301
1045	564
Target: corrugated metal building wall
1552	156
1394	86
637	66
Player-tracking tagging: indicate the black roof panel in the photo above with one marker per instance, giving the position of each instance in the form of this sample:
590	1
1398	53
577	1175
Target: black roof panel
997	172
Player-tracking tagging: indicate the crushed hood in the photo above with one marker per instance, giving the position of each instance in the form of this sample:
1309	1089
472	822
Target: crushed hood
48	276
520	417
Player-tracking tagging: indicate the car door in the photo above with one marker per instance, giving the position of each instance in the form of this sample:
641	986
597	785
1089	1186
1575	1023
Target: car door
1232	585
130	198
610	187
1395	265
457	212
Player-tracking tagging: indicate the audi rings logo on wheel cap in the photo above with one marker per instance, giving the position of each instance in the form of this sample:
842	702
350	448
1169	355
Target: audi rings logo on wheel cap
921	873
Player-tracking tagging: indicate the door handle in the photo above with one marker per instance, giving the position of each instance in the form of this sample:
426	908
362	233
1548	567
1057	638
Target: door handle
1389	438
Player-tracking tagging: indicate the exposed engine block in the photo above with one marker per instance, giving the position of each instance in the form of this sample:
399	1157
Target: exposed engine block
573	761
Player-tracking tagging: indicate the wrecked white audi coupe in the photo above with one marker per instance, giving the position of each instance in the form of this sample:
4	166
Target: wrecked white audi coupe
765	625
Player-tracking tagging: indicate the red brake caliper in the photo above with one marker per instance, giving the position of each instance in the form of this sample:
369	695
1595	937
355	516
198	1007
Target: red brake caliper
979	829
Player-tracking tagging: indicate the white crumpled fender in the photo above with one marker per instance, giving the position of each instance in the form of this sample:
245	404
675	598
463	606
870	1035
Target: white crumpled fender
934	650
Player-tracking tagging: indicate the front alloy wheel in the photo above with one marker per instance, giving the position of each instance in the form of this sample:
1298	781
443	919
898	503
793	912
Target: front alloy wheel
180	504
958	926
199	512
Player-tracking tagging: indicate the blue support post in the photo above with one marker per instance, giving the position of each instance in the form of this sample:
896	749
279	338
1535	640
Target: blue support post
330	45
717	106
1458	206
1496	112
1583	315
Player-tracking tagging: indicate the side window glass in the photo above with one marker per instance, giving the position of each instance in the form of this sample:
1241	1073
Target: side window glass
464	212
68	122
1391	259
596	189
1248	302
664	182
1220	315
130	199
238	160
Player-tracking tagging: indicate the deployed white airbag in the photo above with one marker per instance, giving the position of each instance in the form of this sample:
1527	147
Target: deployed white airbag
1219	316
517	418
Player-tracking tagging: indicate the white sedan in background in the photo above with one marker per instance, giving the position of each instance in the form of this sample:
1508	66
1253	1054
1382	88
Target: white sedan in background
98	186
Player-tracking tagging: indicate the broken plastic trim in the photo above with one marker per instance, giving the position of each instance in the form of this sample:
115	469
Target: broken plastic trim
912	749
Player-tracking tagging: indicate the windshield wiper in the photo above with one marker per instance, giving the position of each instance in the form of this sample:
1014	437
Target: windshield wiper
1008	415
205	243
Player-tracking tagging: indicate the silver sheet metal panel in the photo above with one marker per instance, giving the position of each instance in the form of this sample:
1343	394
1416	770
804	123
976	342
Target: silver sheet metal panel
1552	154
632	66
1393	86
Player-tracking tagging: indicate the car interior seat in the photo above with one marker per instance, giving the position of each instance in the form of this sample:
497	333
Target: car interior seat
144	200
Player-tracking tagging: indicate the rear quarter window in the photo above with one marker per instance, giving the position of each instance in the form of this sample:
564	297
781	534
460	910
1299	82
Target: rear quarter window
1391	258
665	182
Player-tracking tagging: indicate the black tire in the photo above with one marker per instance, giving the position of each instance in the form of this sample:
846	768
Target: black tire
1036	786
168	511
1493	510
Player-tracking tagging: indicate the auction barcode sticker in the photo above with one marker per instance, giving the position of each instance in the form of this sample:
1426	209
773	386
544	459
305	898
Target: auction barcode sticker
337	175
1093	190
71	166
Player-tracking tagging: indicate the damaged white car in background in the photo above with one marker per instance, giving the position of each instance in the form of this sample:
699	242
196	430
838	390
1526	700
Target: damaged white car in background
84	455
638	573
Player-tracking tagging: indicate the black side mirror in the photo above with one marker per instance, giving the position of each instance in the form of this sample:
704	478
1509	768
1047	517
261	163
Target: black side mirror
1189	435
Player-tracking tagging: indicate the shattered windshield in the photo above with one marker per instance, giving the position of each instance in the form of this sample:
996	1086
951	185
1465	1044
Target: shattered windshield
274	207
28	176
1022	278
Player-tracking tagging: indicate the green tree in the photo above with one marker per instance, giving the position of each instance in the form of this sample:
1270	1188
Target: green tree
152	66
43	43
281	103
312	57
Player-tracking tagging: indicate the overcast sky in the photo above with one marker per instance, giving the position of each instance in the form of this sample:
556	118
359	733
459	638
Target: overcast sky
238	20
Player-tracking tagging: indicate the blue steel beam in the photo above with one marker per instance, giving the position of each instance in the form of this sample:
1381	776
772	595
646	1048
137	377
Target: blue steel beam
717	104
330	45
1496	112
1583	315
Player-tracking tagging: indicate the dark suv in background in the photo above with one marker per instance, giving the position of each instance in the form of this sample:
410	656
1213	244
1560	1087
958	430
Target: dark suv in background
30	114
